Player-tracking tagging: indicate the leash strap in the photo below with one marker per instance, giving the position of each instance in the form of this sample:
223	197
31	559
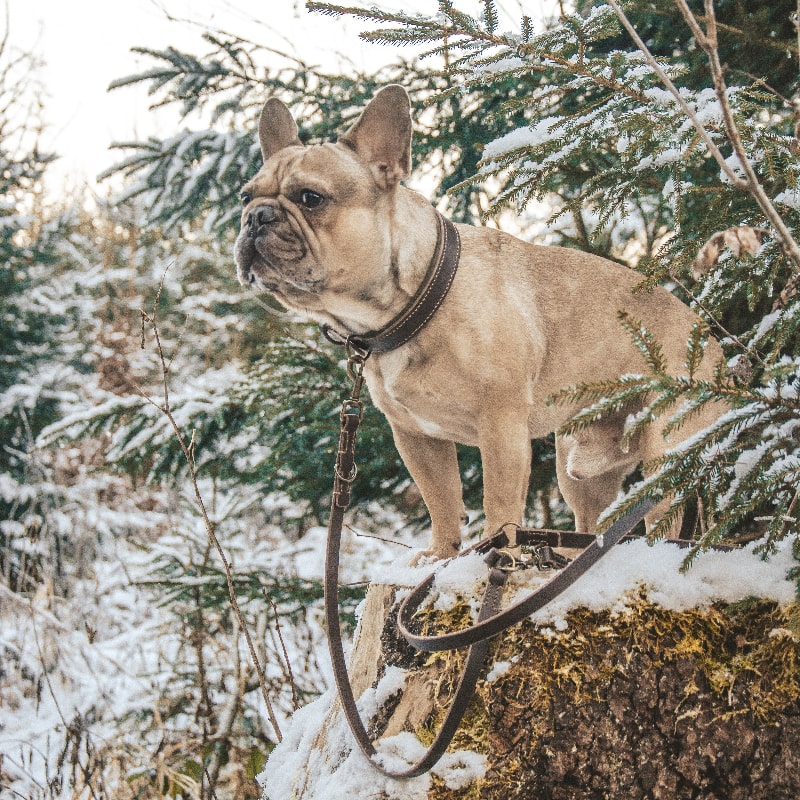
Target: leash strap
491	621
464	691
497	623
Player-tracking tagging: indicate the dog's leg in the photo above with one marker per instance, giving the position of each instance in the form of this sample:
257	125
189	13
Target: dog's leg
651	519
506	462
588	497
433	465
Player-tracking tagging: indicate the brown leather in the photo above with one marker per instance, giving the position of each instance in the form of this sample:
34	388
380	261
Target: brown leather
344	472
422	306
562	580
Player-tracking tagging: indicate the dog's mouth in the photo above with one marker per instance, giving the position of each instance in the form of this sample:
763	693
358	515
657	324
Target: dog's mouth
270	255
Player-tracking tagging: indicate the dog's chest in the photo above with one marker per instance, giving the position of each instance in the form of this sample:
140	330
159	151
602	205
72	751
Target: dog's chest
424	400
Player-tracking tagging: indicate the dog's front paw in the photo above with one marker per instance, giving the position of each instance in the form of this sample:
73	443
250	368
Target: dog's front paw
433	554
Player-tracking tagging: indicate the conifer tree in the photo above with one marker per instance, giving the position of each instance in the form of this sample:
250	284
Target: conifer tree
670	150
28	323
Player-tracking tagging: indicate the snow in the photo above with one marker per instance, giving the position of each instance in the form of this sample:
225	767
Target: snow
522	137
107	654
500	66
298	767
635	568
790	198
500	668
766	325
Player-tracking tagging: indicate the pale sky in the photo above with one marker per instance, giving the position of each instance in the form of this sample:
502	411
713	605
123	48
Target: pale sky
85	44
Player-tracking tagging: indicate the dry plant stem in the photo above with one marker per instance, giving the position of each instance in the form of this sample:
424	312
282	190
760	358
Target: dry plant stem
788	517
209	525
227	716
708	41
287	661
745	348
797	26
86	774
751	183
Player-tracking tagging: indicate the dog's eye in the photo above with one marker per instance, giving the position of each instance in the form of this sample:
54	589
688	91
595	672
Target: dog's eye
311	199
245	197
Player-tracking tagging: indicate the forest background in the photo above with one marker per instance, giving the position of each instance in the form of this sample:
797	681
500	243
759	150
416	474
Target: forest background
167	439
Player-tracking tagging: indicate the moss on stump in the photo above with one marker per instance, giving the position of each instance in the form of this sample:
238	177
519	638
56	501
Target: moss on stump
642	704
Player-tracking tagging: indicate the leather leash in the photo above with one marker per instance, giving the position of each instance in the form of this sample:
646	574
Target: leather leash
491	621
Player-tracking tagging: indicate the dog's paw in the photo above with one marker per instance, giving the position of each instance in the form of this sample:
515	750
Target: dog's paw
432	555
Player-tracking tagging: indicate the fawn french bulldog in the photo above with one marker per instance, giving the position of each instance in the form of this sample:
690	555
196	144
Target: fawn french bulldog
331	232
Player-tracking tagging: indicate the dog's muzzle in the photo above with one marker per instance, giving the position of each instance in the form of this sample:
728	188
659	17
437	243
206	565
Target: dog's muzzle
254	226
258	218
268	249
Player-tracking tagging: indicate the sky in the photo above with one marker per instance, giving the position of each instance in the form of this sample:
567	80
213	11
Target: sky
86	44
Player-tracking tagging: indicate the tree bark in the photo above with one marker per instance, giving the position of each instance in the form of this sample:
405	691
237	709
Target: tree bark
644	704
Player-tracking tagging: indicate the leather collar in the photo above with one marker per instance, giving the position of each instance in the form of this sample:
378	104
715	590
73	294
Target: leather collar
422	306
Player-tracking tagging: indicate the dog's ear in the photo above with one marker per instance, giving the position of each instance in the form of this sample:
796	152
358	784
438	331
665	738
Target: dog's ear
276	128
382	136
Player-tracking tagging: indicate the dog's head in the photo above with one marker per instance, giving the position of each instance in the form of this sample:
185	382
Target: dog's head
317	220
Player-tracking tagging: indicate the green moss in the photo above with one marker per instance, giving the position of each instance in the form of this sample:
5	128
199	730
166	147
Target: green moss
740	659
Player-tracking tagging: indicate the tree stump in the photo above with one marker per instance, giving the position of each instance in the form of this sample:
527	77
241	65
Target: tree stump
638	702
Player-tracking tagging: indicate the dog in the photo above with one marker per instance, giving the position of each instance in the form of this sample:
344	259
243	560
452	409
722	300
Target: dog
331	232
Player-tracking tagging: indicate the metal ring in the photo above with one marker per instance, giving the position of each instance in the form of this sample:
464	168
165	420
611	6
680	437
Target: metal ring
333	336
505	566
351	478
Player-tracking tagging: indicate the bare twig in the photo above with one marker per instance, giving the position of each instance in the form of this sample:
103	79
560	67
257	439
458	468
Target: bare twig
362	535
673	90
67	728
287	661
227	716
187	449
715	321
797	27
708	42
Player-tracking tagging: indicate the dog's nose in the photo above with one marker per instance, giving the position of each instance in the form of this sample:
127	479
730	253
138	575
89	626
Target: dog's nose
261	215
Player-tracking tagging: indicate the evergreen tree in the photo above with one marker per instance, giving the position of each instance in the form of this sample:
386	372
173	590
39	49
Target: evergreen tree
156	701
30	323
195	173
672	151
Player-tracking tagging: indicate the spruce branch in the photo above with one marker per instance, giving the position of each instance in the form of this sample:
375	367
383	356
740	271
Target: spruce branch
709	314
708	42
713	149
645	342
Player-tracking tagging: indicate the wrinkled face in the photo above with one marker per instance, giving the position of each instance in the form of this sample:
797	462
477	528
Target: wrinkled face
306	220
